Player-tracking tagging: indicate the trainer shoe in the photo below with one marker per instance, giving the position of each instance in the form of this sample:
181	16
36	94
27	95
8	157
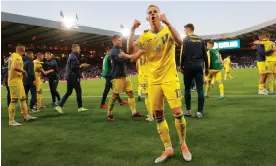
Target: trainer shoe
82	109
137	114
270	93
150	118
188	113
14	123
123	102
165	155
221	97
104	106
54	104
110	117
206	96
263	92
29	118
59	109
186	153
198	115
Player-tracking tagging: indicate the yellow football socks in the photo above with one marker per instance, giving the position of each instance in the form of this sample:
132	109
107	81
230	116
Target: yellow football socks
180	125
148	105
110	105
163	131
261	86
221	89
24	107
132	104
207	88
11	110
39	98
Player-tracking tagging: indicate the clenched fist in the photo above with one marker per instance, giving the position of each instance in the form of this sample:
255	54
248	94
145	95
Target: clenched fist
136	24
164	19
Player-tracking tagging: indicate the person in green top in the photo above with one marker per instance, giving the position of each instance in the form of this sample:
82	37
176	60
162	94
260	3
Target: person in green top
107	74
215	67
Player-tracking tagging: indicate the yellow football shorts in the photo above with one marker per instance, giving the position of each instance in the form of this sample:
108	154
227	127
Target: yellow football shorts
121	85
38	84
214	74
227	69
271	67
157	93
17	92
262	67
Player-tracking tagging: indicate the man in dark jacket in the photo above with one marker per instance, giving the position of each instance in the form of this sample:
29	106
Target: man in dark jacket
193	55
107	74
53	77
29	83
73	75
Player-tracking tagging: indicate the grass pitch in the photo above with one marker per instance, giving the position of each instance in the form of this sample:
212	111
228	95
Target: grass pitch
239	130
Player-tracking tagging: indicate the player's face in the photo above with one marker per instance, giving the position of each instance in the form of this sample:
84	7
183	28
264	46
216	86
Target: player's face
20	50
153	15
187	31
209	46
40	57
118	42
31	56
48	56
76	49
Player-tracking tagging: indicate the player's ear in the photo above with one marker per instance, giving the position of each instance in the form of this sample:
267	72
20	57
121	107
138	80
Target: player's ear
147	18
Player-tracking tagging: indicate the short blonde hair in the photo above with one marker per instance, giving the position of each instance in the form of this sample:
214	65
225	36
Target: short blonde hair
151	5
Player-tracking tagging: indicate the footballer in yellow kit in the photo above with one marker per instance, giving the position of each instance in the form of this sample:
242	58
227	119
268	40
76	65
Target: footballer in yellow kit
38	70
158	45
227	66
16	74
270	63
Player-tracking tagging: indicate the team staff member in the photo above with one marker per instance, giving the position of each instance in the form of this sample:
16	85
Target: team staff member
107	74
53	77
15	82
193	55
29	83
73	75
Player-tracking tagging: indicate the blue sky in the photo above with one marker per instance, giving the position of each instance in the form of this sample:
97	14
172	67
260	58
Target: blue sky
208	17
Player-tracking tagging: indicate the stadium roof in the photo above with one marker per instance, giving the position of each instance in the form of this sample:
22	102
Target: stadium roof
248	33
29	30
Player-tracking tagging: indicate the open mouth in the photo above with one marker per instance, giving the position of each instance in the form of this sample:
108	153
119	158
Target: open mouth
152	18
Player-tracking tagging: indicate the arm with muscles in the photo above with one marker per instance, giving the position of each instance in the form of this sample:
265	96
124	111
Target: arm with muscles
174	34
130	40
182	58
135	56
15	65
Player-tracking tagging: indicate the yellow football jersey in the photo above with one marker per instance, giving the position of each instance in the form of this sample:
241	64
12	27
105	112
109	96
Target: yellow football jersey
227	62
37	68
142	66
268	45
14	77
160	55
